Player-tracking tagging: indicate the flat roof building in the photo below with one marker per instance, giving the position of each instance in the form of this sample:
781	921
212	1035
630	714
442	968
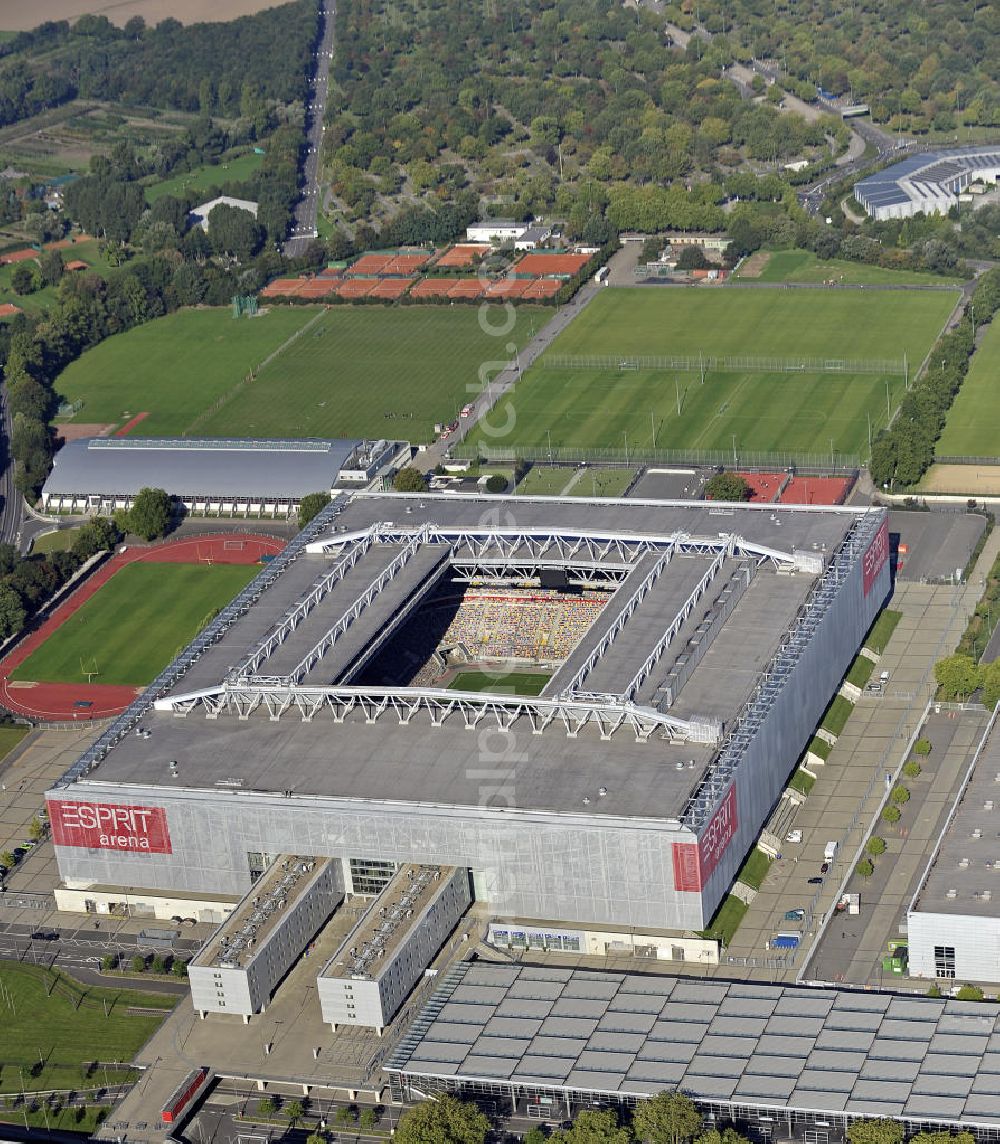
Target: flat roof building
774	1058
690	650
953	923
928	183
209	475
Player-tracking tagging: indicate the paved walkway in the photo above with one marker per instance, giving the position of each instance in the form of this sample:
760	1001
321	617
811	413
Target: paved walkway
850	786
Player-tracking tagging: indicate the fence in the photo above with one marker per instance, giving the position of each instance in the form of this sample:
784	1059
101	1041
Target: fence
818	463
966	460
726	363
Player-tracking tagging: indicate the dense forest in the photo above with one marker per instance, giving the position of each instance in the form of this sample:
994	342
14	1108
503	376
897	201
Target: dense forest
920	65
231	69
549	106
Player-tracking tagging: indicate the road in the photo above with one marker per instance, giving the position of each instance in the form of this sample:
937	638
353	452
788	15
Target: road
12	508
307	209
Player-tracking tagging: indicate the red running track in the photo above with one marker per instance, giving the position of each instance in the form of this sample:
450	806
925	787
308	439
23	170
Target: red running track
130	425
57	702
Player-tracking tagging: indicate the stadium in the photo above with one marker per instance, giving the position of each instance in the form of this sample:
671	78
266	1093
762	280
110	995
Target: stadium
686	651
928	183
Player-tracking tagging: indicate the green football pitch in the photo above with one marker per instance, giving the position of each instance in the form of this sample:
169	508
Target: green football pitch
365	371
804	266
793	411
971	428
132	627
505	683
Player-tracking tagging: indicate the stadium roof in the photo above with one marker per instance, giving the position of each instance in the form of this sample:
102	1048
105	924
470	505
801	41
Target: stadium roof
927	182
261	681
961	876
190	467
769	1047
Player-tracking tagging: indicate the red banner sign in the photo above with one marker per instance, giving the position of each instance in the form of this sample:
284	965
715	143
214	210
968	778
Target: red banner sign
109	826
874	559
694	865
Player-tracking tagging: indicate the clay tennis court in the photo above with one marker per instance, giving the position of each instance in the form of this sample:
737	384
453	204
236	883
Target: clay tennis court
65	702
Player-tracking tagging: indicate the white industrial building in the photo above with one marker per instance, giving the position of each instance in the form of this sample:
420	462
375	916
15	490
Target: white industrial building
953	923
928	183
211	476
383	957
241	965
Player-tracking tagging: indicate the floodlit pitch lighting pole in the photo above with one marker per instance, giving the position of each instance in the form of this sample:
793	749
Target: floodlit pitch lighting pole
652	422
677	390
888	408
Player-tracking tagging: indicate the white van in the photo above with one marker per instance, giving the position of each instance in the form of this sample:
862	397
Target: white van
830	851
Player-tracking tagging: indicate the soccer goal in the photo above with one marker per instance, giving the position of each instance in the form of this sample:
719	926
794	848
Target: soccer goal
89	667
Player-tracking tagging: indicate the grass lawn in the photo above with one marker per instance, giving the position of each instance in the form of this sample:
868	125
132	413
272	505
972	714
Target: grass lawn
545	480
787	411
970	429
176	367
67	1026
882	629
755	869
508	683
598	482
802	782
136	623
60	541
860	671
85	251
819	747
727	920
370	371
236	170
804	266
837	714
10	736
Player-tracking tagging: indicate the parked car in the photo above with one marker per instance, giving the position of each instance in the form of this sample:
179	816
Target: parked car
815	881
824	868
45	935
794	836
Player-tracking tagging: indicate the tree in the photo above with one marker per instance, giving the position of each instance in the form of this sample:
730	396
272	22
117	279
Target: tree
445	1120
666	1118
595	1127
892	814
496	483
864	868
922	747
693	258
12	612
52	267
138	963
882	1131
316	1138
311	506
912	769
24	278
36	829
266	1106
875	846
159	965
294	1111
409	480
149	516
534	1135
368	1119
957	676
344	1116
900	795
179	967
990	681
7	860
109	962
727	487
969	993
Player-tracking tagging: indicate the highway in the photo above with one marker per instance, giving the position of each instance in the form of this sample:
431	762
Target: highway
307	208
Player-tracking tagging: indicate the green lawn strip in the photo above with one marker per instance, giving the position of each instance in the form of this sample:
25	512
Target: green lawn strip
819	747
229	170
609	482
802	782
545	480
136	623
176	368
802	266
755	869
510	683
860	671
10	736
882	629
787	411
82	1118
49	1019
971	426
836	715
727	920
374	371
60	541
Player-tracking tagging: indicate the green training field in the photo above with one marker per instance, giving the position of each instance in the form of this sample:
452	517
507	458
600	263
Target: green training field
803	266
800	412
236	170
136	623
373	371
971	427
174	368
70	1026
365	371
507	683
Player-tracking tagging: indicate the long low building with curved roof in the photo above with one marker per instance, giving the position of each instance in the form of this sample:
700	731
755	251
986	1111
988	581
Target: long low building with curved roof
928	183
